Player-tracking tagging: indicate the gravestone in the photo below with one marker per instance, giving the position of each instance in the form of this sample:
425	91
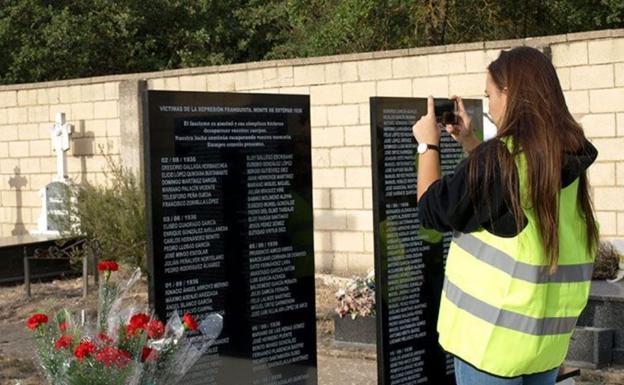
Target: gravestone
230	229
53	195
409	260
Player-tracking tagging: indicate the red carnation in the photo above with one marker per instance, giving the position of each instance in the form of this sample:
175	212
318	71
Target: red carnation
137	321
85	349
155	329
189	322
63	327
36	320
64	342
149	354
110	356
104	338
108	266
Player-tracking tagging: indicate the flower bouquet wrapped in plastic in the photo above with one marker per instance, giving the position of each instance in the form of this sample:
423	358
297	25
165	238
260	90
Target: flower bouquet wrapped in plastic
123	347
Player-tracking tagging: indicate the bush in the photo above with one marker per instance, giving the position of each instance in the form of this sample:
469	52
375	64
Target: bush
607	261
112	216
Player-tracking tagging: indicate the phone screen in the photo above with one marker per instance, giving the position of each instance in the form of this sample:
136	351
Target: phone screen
445	111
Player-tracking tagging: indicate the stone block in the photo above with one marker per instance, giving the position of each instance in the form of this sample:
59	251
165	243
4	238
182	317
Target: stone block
367	194
369	242
409	67
375	69
343	115
359	176
577	101
113	127
327	137
255	79
172	83
75	94
365	113
295	90
437	86
605	309
609	148
346	198
590	348
4	116
609	198
111	90
270	78
328	177
619	74
608	222
563	74
9	133
40	148
285	76
360	263
318	116
607	100
4	151
592	76
320	157
447	63
326	95
359	92
360	220
29	165
28	131
357	136
106	110
599	125
53	96
322	241
321	198
26	97
472	85
348	241
602	174
56	108
81	111
19	149
309	74
572	54
619	171
8	99
38	113
346	156
397	87
341	72
92	92
330	220
193	83
606	51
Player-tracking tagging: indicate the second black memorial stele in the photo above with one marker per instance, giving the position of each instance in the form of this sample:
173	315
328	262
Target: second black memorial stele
409	260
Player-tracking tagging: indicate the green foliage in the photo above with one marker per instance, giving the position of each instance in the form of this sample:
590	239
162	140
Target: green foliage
112	215
48	40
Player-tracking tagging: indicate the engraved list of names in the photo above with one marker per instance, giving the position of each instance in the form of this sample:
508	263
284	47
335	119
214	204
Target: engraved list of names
229	207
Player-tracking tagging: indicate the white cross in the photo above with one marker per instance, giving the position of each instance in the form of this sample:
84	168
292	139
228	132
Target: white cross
61	133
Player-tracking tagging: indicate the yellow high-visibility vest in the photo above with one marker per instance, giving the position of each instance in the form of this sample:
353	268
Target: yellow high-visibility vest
501	310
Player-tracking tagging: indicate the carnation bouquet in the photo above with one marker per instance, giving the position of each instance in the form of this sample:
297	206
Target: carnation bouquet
123	347
358	298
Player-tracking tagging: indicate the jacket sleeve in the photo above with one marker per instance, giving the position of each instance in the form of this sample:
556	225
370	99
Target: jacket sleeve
446	205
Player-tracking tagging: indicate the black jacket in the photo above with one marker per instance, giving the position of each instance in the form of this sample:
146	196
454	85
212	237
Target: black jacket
446	205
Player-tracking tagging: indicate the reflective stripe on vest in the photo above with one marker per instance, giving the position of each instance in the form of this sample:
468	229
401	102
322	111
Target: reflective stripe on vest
531	273
505	318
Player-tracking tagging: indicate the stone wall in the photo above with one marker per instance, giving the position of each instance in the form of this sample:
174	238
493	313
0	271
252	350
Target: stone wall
106	111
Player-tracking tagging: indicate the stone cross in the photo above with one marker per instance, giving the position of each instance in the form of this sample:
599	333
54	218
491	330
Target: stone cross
61	133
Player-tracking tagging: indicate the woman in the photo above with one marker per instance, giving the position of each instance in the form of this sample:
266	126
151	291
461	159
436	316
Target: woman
519	266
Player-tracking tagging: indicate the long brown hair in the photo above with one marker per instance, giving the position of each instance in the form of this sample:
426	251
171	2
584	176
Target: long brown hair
540	125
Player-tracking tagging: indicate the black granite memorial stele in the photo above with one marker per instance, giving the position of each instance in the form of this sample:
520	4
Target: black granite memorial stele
409	260
230	224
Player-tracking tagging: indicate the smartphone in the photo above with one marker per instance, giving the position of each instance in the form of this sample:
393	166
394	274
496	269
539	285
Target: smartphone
446	111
